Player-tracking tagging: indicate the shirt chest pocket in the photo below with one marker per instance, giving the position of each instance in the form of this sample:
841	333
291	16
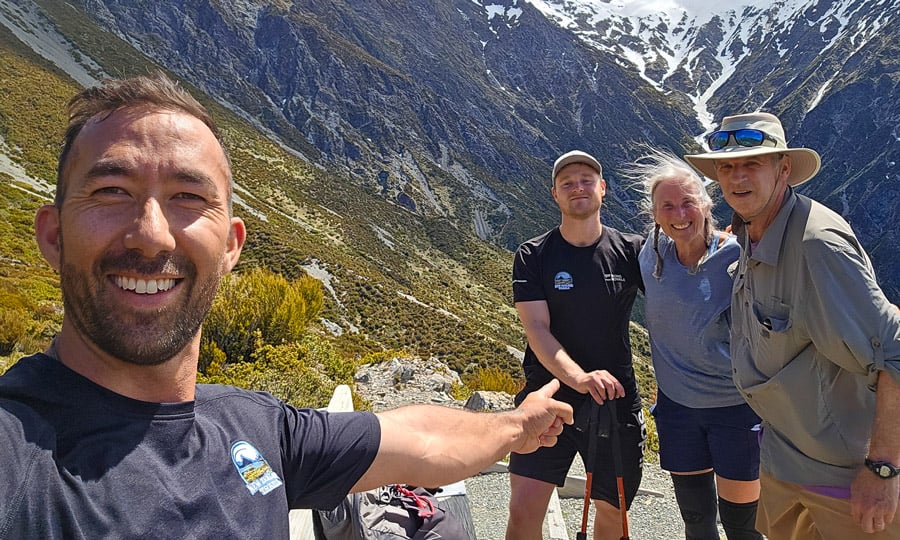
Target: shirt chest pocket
773	336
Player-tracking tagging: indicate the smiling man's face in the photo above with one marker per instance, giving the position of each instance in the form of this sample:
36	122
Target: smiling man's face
753	186
578	189
144	233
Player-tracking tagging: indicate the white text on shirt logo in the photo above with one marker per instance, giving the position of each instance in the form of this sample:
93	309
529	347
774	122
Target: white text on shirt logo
563	281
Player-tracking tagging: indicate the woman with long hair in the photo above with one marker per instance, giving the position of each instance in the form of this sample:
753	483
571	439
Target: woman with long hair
708	435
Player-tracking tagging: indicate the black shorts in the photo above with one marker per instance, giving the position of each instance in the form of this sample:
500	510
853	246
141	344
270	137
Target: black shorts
552	464
725	439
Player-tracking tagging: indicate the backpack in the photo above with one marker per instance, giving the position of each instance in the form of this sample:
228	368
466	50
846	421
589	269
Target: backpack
390	512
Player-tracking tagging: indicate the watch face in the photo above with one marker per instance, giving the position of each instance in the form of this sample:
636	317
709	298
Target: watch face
882	468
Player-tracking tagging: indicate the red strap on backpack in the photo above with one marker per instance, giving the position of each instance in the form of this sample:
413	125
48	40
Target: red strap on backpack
423	504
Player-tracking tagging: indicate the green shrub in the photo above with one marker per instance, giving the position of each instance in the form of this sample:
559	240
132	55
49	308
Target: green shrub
651	447
215	358
13	329
379	357
493	379
303	373
258	300
7	362
460	392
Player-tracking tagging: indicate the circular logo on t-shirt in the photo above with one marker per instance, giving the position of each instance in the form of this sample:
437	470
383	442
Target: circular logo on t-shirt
563	281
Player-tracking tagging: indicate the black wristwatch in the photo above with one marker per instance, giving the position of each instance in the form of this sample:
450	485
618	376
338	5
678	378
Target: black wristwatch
883	469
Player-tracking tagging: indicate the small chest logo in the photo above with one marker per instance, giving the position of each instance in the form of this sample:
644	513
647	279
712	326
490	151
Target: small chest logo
253	468
563	281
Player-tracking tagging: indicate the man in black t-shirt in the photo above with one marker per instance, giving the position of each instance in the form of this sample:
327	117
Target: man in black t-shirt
574	287
107	434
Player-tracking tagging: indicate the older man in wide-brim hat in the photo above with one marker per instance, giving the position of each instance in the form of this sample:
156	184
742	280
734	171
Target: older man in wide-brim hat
815	345
753	165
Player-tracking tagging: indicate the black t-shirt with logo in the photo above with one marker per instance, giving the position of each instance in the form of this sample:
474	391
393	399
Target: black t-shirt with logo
82	462
589	292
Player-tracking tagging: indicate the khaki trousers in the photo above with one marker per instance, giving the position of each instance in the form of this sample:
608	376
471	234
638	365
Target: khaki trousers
789	512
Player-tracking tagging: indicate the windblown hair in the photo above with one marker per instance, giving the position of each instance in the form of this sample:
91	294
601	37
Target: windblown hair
655	167
154	91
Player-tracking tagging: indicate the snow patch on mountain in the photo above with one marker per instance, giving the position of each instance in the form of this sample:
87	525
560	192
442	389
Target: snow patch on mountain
695	46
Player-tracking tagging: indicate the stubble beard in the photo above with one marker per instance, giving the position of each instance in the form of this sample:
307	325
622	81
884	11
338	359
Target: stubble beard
582	213
140	338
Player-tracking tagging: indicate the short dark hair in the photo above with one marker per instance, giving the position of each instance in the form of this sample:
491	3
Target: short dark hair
155	91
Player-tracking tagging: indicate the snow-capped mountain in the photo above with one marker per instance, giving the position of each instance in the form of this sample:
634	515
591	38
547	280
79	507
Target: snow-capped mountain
698	46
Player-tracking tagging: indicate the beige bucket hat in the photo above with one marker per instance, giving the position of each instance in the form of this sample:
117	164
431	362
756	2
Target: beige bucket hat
805	163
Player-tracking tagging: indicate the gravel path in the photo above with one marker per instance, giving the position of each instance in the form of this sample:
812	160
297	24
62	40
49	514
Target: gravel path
652	517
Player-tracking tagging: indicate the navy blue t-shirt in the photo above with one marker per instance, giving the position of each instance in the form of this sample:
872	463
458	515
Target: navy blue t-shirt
83	462
589	292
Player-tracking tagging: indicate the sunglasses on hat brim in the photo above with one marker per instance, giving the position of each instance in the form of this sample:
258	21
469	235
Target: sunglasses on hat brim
718	140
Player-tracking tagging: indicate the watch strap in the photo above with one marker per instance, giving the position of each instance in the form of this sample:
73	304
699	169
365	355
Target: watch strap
883	469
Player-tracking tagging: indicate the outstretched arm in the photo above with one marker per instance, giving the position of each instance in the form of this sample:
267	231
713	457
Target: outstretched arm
430	445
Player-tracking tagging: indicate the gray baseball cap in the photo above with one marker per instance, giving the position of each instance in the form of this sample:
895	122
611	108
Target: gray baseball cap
575	156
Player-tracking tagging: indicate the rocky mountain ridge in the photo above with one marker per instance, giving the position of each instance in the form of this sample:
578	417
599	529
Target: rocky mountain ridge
453	110
436	108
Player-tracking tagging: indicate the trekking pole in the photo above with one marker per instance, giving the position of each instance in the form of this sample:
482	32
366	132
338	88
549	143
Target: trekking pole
617	464
593	423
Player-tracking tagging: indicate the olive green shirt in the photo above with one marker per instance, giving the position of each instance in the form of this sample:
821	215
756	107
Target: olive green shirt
811	330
